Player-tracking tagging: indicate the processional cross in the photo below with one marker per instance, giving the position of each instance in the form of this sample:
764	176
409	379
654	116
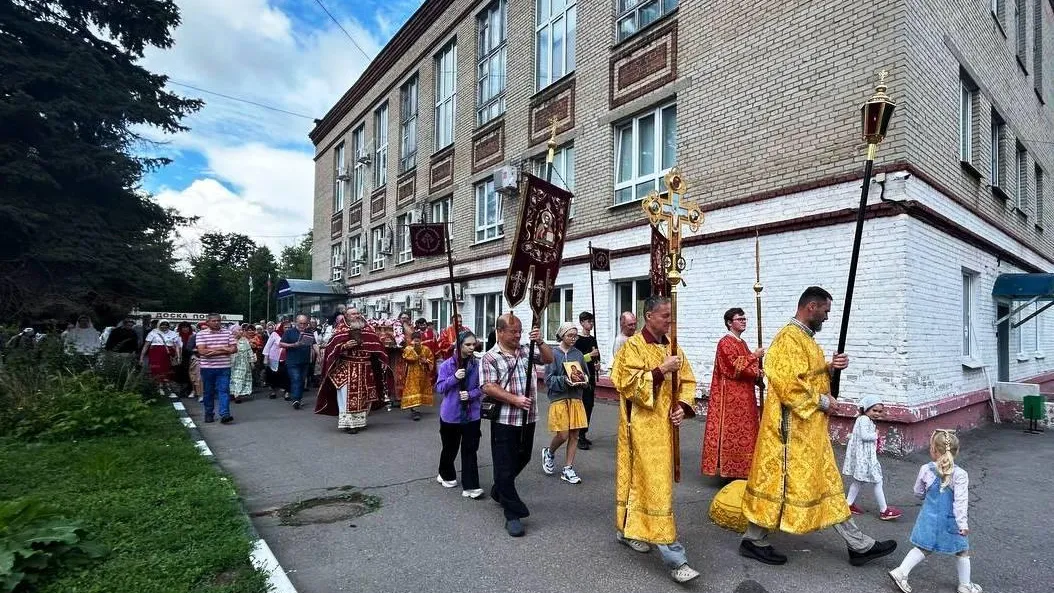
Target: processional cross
673	210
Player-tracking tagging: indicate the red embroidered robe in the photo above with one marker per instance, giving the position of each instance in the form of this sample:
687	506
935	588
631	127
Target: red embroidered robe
732	416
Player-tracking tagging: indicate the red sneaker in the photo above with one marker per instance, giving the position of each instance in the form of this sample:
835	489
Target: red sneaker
856	510
890	514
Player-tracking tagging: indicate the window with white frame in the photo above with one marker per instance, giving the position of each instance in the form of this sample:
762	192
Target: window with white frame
560	310
446	95
490	223
355	255
563	170
408	125
1021	181
966	96
402	235
554	46
630	296
490	83
440	210
1037	49
380	157
967	313
487	307
440	312
1019	339
1037	330
645	150
358	145
998	162
340	177
336	261
1020	34
634	15
377	246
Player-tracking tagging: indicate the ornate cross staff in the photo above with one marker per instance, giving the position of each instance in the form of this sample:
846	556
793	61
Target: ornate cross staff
672	210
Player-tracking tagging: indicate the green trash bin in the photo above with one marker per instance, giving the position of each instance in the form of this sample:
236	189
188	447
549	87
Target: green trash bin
1035	409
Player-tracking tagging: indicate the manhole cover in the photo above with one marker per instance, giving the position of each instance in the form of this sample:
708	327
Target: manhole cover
328	509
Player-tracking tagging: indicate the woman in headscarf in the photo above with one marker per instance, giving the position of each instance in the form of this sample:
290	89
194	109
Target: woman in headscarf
241	385
459	421
161	348
274	359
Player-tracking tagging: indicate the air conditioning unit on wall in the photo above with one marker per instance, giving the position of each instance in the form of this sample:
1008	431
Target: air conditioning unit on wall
506	179
459	296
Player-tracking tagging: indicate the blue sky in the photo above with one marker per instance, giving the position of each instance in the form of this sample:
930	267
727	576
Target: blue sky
243	168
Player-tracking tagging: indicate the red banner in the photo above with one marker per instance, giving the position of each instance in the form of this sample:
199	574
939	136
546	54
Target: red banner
660	256
539	244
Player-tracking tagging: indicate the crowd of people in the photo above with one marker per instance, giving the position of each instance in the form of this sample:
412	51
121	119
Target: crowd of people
766	429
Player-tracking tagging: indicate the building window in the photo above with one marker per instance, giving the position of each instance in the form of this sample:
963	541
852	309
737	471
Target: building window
560	310
634	15
996	6
377	246
402	235
489	221
1021	181
968	288
629	296
340	177
356	255
554	40
966	95
440	210
1039	197
490	85
336	261
446	95
1037	330
408	125
1019	28
563	170
1037	49
998	162
358	145
440	312
487	308
380	158
646	149
1022	349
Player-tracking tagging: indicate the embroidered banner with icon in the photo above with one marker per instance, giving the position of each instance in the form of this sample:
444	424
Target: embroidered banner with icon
539	244
427	239
600	259
660	255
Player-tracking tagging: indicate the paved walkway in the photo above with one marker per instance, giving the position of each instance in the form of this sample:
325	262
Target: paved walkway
426	538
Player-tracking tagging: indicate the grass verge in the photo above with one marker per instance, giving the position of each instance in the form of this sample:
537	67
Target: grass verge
171	521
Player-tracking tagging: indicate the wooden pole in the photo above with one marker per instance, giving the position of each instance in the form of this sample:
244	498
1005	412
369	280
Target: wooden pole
757	303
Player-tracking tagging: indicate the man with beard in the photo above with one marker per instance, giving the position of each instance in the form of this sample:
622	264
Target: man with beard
794	484
356	375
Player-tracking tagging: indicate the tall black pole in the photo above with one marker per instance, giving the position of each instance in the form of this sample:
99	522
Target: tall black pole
453	308
593	307
864	191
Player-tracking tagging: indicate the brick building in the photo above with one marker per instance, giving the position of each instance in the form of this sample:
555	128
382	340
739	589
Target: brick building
758	104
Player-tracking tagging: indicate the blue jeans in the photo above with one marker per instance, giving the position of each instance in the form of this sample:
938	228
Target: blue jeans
297	376
216	384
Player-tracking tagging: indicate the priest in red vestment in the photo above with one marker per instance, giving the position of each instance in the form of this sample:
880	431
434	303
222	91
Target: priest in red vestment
732	416
356	376
448	337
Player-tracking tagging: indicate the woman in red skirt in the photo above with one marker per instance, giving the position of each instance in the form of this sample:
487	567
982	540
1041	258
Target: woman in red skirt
161	348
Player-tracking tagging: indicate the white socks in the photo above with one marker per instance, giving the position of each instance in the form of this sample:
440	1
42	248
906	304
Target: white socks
962	566
854	490
911	561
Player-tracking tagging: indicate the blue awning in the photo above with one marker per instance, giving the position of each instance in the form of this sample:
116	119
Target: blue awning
1024	287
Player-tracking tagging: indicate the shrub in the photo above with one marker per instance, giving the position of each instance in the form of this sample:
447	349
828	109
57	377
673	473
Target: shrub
37	542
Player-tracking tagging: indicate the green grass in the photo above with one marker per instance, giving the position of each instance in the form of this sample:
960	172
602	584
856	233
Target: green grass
171	521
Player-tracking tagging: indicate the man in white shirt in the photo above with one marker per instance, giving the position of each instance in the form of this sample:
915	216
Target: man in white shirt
627	327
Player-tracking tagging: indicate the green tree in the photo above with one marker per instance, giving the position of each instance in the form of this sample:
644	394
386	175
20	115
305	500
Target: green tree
79	232
220	275
295	261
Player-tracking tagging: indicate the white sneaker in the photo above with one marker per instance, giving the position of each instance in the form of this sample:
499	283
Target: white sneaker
473	494
969	588
548	462
901	581
569	475
446	483
683	573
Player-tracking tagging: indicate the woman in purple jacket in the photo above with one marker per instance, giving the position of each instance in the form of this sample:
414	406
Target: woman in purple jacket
458	386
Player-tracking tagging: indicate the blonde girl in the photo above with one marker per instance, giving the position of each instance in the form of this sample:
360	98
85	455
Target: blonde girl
942	525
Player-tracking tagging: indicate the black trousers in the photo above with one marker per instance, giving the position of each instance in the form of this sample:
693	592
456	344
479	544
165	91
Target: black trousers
466	438
588	395
511	448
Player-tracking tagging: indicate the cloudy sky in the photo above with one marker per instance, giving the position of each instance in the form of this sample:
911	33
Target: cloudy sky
244	168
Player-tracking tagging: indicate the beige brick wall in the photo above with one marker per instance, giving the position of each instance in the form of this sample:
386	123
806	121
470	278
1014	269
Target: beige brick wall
768	96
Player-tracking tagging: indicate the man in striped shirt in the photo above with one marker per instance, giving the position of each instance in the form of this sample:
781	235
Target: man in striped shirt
503	377
215	347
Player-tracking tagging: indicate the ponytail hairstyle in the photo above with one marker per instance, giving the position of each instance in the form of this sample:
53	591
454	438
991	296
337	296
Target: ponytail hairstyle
946	444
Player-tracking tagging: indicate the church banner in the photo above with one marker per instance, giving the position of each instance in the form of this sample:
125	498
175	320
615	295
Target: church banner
660	256
427	239
600	259
539	245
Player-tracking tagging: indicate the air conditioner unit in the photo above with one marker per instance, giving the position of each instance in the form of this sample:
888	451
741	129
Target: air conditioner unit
506	179
383	304
417	304
386	244
342	174
459	296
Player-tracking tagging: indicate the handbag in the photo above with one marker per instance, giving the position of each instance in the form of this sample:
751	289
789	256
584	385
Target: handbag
489	407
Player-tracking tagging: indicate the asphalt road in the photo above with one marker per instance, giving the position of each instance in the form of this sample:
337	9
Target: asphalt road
427	538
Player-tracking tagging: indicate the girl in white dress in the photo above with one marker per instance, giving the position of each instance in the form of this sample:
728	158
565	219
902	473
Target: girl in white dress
861	459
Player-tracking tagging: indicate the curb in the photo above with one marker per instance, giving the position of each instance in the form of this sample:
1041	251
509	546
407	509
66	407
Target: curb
262	558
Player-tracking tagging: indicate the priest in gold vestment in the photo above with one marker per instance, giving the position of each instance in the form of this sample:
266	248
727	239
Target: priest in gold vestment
649	412
794	484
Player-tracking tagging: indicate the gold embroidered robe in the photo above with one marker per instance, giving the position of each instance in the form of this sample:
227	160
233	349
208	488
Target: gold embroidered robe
794	484
644	455
419	387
